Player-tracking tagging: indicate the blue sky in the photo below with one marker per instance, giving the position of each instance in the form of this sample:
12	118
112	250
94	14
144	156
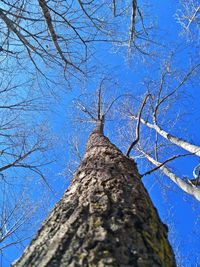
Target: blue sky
178	210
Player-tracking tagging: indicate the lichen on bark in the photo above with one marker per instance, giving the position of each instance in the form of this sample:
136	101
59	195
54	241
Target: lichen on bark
105	218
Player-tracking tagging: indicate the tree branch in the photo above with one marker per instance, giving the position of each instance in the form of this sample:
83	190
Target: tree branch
53	34
132	26
164	162
194	149
137	134
186	187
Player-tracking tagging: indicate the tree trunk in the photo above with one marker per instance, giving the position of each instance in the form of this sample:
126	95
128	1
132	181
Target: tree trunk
105	218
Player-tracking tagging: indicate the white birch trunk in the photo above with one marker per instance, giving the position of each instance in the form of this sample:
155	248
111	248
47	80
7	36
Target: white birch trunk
186	187
194	149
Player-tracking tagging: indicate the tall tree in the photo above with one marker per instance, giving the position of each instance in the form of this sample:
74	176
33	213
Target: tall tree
160	102
38	42
105	218
53	42
23	143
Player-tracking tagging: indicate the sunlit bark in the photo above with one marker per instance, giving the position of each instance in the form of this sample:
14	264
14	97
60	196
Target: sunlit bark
186	186
105	218
194	149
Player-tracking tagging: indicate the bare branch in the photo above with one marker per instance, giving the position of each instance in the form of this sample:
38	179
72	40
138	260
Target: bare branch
181	83
188	17
132	26
137	134
164	162
114	8
48	19
114	101
194	149
186	187
84	109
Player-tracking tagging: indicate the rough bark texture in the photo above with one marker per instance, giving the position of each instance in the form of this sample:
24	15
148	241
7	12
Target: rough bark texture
105	218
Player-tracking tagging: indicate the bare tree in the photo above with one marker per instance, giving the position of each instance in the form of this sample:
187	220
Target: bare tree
15	214
44	36
23	144
154	104
18	142
160	103
53	37
101	220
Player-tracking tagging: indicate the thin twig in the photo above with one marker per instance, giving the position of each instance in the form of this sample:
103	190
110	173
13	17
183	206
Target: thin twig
164	162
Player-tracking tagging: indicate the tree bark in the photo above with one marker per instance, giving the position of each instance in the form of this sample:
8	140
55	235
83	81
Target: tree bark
105	218
187	187
194	149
